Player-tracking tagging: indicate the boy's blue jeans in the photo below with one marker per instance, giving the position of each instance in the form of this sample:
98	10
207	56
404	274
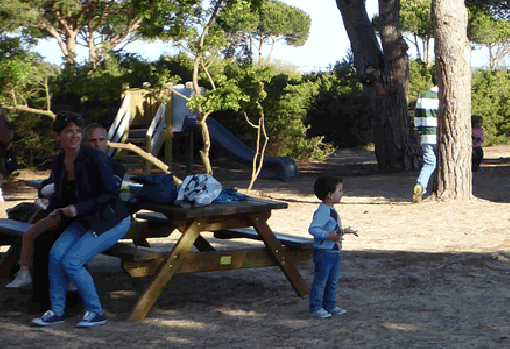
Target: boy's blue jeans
428	165
325	278
68	256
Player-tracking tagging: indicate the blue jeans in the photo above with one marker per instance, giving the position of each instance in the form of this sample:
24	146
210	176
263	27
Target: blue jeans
73	249
428	165
325	278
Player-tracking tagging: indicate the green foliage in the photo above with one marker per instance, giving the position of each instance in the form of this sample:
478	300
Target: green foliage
415	18
490	98
341	103
33	139
25	78
286	107
485	29
420	79
99	25
265	24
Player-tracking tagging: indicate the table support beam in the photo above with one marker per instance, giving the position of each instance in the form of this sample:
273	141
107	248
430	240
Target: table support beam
165	273
287	266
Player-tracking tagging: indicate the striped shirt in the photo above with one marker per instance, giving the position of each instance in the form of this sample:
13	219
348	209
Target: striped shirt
425	119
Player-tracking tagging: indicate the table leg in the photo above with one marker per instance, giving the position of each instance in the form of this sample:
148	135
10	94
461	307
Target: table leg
278	252
167	270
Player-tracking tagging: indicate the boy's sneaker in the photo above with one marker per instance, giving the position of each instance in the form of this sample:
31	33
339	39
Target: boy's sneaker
417	193
91	319
49	318
337	311
321	313
22	279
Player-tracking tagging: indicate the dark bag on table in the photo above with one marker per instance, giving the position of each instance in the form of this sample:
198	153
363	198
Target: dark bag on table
159	189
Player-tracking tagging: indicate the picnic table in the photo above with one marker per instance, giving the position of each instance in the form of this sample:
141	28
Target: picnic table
227	220
241	219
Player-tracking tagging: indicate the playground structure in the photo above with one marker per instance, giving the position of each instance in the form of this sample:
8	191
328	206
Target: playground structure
134	124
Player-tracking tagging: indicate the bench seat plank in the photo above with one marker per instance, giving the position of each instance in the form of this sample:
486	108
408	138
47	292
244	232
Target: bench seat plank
291	241
13	228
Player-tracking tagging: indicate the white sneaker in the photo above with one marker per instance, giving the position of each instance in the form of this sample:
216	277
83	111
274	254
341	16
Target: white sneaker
321	313
337	311
23	279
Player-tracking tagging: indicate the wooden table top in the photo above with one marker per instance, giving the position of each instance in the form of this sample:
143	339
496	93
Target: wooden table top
251	205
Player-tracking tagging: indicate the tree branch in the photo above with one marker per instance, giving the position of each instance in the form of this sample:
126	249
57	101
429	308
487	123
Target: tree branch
31	110
147	156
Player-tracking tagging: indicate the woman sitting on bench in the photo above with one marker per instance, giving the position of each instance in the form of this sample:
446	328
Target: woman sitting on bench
86	194
95	136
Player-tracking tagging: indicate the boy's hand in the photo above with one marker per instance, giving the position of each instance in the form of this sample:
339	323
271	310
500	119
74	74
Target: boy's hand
334	236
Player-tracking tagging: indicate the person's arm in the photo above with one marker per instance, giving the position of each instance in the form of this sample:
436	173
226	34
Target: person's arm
53	201
322	227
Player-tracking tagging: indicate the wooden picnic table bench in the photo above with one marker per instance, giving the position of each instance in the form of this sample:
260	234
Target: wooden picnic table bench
244	219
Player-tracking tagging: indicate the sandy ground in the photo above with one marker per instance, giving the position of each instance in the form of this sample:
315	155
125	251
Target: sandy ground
433	274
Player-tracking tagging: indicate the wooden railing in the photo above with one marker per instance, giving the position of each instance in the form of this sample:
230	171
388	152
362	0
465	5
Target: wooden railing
121	124
154	136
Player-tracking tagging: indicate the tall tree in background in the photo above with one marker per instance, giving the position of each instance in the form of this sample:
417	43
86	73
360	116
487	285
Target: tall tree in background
485	29
99	25
269	23
415	19
453	58
24	77
385	76
488	26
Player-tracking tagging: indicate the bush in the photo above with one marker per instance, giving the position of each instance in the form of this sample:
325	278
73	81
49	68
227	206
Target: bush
339	112
490	98
286	109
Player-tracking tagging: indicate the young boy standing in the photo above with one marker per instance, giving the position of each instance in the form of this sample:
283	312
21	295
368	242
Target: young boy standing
326	228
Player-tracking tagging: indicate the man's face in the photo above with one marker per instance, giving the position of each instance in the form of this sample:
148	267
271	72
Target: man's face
96	139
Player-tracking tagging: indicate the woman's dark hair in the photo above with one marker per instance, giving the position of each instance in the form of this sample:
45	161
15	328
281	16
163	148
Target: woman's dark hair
475	119
325	185
63	118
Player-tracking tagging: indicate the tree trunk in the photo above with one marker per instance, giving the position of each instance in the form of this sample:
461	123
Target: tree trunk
385	77
261	42
70	42
453	56
204	153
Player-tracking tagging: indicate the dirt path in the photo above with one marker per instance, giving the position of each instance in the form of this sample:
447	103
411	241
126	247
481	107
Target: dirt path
435	274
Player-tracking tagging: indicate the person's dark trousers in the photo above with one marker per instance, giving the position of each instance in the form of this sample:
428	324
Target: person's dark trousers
477	158
40	279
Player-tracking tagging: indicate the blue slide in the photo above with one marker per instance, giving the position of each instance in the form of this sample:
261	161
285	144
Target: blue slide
273	167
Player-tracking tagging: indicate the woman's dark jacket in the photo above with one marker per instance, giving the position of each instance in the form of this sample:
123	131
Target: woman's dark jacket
100	207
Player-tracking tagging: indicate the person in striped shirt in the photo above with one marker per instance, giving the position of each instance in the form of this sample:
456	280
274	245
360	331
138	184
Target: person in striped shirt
425	120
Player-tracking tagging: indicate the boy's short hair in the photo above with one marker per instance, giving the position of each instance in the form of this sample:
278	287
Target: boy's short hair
63	118
325	185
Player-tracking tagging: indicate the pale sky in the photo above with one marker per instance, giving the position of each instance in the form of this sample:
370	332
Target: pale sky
327	42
